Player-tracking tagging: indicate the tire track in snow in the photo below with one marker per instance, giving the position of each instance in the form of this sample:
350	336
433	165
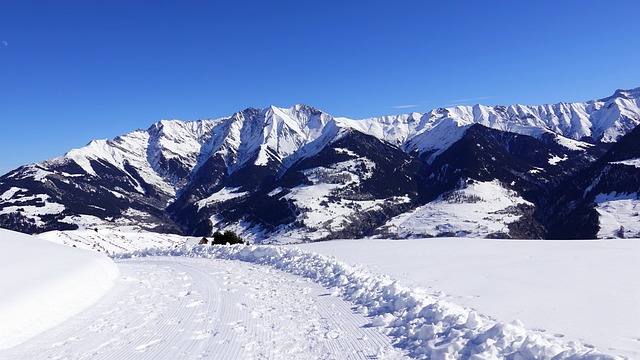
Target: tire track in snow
187	308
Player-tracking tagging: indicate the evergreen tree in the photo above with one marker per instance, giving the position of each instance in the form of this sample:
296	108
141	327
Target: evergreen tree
229	237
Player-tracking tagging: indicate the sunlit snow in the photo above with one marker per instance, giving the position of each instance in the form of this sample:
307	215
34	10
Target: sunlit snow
43	284
479	209
618	215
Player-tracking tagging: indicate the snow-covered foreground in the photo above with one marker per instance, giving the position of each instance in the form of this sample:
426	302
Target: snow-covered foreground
185	308
420	298
587	291
42	284
425	326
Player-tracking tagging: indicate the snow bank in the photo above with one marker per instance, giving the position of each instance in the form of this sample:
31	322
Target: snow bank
42	284
424	325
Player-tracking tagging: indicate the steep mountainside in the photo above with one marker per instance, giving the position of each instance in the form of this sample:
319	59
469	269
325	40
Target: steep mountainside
299	173
604	199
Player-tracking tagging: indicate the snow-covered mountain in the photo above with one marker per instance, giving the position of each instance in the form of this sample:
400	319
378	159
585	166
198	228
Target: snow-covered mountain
301	173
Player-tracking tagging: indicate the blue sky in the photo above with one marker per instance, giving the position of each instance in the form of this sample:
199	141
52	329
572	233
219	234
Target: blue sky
73	71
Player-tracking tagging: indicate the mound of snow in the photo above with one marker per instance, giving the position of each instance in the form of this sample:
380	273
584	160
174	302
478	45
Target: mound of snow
42	284
424	325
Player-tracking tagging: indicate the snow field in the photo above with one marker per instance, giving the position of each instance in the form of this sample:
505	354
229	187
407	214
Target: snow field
586	291
42	284
173	308
619	215
114	240
426	326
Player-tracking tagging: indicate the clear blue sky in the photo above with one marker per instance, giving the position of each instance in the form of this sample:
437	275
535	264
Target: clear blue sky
73	71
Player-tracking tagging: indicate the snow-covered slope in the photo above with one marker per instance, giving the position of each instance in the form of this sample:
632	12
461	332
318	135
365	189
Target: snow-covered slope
184	177
605	195
43	284
274	133
603	120
115	240
619	215
478	209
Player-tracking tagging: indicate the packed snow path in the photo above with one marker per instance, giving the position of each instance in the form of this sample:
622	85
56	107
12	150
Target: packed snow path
191	308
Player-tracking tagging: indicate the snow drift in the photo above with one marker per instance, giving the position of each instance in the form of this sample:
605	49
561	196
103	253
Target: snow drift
42	284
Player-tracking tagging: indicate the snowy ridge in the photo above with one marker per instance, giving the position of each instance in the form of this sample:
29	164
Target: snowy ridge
279	134
124	151
177	177
425	326
265	135
603	120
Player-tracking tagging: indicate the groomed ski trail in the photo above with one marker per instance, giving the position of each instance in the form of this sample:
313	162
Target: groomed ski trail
192	308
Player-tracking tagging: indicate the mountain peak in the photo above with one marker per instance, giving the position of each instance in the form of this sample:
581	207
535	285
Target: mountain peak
633	93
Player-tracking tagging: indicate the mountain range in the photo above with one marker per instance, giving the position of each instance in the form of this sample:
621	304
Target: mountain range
567	170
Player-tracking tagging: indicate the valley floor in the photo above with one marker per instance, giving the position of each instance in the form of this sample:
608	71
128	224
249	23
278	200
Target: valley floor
174	308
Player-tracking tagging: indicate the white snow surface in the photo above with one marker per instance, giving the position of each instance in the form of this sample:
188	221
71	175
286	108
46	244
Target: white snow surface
11	193
426	326
585	291
630	162
114	240
444	298
619	215
181	307
42	284
34	211
317	209
555	160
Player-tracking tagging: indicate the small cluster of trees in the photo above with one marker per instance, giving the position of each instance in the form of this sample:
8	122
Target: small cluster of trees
457	197
227	238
